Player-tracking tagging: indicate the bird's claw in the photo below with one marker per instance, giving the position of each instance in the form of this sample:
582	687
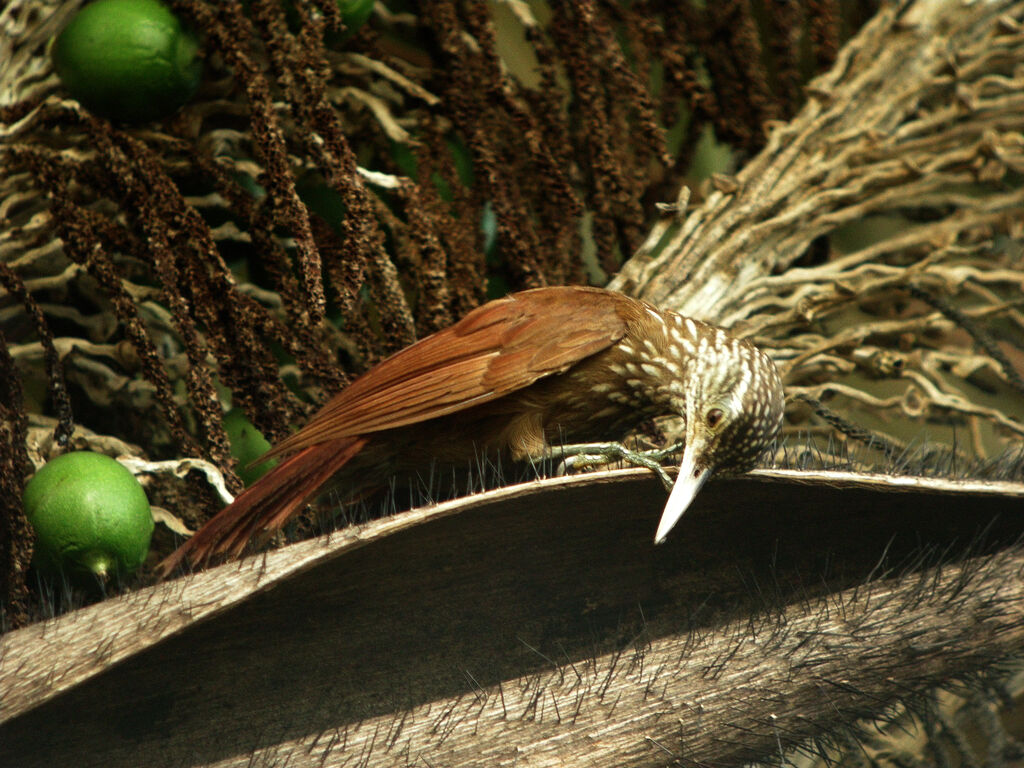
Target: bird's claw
587	455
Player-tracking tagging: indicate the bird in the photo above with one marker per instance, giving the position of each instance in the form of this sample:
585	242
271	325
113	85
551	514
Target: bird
517	375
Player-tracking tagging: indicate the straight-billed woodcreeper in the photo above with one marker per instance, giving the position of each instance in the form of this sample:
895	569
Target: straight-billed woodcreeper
516	375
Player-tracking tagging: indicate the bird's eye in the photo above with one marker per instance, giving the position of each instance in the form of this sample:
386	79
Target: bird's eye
714	417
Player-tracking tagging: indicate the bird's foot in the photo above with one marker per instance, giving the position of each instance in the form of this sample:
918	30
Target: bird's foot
590	455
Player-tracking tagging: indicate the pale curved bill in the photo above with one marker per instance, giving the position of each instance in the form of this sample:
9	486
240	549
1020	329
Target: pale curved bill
688	483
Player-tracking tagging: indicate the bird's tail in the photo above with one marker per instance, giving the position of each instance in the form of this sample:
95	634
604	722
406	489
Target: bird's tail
267	505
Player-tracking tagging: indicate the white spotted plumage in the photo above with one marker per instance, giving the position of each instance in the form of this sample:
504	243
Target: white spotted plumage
672	364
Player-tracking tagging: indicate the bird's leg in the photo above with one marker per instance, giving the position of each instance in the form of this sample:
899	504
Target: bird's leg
585	455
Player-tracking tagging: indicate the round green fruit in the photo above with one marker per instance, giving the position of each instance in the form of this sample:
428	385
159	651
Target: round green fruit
90	515
129	60
355	13
247	445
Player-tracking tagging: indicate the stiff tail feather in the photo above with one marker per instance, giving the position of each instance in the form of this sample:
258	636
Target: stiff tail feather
267	505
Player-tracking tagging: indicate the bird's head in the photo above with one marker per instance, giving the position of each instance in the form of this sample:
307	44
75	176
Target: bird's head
732	407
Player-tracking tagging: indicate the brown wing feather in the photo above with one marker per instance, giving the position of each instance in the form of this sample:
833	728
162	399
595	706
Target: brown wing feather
266	505
503	346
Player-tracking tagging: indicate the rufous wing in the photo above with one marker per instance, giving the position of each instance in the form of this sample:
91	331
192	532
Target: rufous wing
496	349
267	505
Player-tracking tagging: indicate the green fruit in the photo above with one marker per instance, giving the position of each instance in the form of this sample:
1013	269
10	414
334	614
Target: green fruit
129	60
321	200
90	515
247	445
354	13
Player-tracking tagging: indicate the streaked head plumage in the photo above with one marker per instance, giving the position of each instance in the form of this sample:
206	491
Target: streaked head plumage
732	406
